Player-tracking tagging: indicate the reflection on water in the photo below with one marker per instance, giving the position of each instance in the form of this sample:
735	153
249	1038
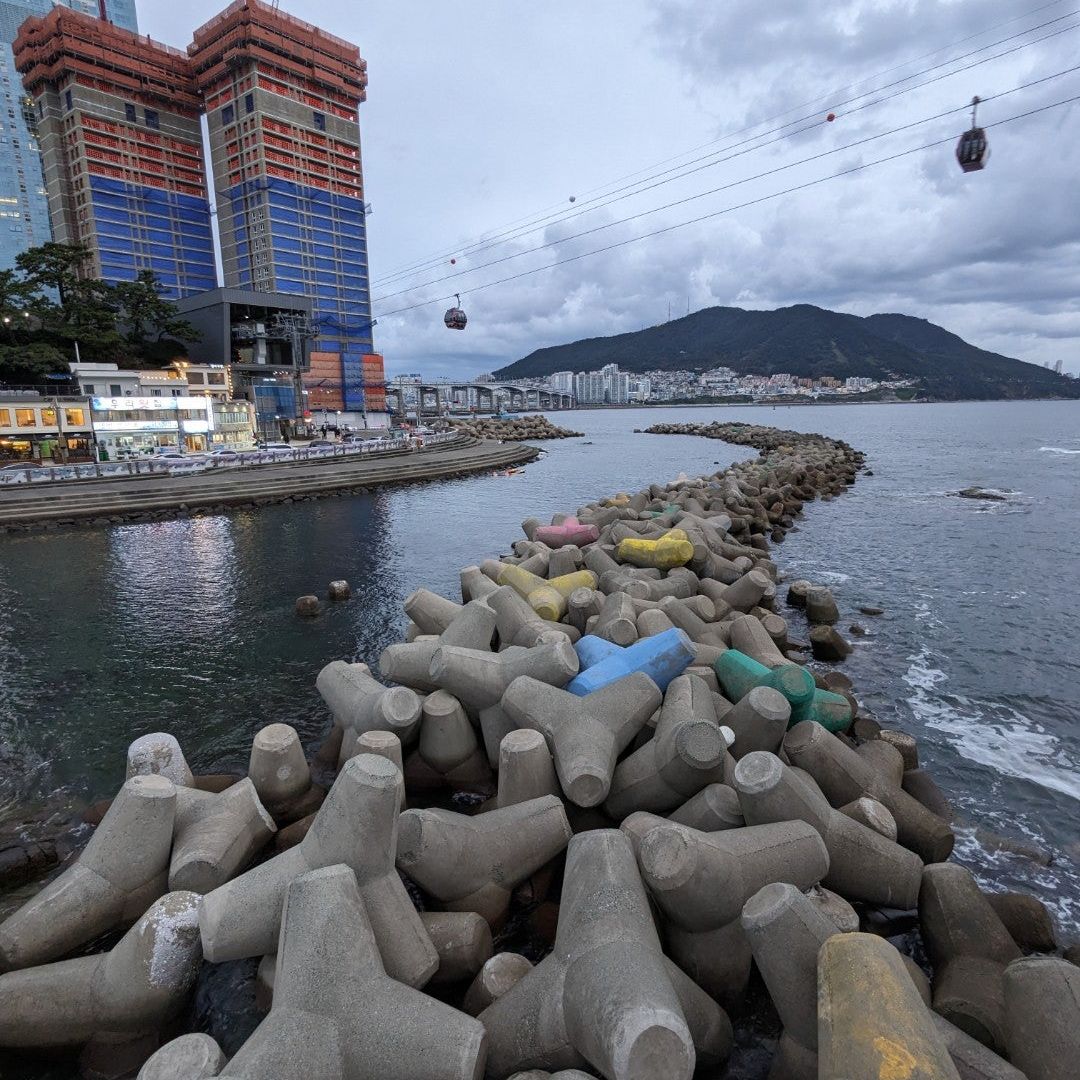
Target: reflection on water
188	626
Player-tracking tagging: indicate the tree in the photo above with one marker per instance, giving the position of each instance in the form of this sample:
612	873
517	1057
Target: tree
30	363
151	321
71	308
52	301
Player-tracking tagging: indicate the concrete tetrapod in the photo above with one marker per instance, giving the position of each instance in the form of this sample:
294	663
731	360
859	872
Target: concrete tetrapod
119	873
474	863
969	947
119	996
605	996
718	960
526	770
759	720
475	584
479	679
662	657
571	531
617	620
409	663
692	624
671	550
190	1057
686	753
562	1074
463	941
359	703
973	1061
863	865
517	623
158	754
844	776
786	930
499	973
585	734
872	1024
739	674
701	881
546	596
749	636
277	767
1042	1016
448	742
713	809
215	836
431	612
357	825
337	1014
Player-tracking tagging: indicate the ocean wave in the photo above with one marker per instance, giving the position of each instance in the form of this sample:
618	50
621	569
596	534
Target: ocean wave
990	733
1056	450
1056	885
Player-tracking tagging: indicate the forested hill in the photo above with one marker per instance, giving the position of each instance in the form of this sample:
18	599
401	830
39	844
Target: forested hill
810	342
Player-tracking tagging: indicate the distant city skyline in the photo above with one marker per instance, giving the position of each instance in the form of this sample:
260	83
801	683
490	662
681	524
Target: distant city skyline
479	116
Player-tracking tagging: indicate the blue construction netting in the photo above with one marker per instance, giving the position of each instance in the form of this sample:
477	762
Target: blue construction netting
352	379
274	400
144	228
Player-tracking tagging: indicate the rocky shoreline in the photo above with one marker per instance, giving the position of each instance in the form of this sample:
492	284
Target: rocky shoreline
519	429
624	792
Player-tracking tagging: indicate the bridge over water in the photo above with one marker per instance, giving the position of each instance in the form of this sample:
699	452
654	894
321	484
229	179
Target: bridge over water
467	398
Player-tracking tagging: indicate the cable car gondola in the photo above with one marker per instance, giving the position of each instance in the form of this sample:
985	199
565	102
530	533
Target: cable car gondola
455	318
973	149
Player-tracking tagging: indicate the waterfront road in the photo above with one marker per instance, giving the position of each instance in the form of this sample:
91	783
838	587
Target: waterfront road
140	497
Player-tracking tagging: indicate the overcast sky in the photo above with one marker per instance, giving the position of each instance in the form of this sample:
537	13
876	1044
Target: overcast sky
482	114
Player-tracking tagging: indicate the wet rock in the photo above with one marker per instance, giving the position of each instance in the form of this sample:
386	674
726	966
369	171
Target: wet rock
307	606
338	590
980	493
24	860
1027	920
827	644
868	610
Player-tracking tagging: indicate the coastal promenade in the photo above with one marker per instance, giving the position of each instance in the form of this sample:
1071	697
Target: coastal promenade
148	497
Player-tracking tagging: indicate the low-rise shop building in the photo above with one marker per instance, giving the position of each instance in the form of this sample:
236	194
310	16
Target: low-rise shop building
45	429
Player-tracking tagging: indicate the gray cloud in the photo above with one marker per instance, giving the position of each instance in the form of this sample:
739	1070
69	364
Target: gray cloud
481	114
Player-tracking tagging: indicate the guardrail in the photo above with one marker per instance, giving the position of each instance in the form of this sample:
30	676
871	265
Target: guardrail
195	463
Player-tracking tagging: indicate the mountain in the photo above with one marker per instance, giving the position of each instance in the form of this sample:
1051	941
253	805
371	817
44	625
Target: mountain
810	342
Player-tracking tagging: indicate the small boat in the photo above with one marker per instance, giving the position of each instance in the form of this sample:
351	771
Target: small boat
507	472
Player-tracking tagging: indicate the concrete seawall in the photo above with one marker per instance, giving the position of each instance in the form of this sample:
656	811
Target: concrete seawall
152	497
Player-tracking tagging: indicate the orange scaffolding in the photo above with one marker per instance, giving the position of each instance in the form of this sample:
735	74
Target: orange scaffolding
64	43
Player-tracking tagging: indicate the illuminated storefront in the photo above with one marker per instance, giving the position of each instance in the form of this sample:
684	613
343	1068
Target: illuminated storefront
46	430
126	426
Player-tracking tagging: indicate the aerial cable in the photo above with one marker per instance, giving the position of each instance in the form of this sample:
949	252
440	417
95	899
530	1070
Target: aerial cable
490	240
814	119
723	187
744	205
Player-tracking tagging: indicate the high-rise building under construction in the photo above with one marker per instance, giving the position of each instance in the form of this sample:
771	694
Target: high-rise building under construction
118	119
24	212
281	99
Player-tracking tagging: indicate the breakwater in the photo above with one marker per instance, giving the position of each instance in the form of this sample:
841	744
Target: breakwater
646	550
518	429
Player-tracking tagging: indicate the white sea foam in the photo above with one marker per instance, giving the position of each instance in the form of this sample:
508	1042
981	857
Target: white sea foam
1056	450
990	733
1051	884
